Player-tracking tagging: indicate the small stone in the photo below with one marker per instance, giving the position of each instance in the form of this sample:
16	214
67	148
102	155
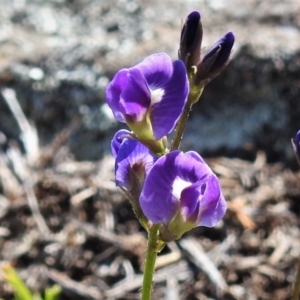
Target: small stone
36	74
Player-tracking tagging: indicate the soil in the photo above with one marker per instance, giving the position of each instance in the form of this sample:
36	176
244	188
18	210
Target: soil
67	223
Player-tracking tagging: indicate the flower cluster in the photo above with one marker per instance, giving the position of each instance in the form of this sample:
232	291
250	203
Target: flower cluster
174	189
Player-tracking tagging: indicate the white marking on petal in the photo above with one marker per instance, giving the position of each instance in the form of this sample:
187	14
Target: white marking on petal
178	185
156	95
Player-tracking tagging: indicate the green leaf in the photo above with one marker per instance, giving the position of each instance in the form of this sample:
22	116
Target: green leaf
53	292
37	297
20	289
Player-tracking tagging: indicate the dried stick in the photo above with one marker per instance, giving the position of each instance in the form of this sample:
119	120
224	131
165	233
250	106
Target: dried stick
197	254
34	207
74	287
28	132
30	140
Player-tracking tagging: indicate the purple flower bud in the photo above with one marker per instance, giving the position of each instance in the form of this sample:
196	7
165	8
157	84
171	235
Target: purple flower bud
296	146
133	160
181	192
190	40
118	140
216	59
150	96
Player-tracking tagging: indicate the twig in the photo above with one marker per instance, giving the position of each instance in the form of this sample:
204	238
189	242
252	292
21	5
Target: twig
179	271
49	154
28	132
34	207
23	175
83	195
170	258
195	251
134	243
12	188
172	292
75	287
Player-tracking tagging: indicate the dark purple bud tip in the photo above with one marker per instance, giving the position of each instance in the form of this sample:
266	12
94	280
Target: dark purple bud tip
221	50
192	23
215	60
191	39
296	146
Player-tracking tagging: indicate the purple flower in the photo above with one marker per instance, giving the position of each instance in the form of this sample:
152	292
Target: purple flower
181	192
296	146
150	96
133	160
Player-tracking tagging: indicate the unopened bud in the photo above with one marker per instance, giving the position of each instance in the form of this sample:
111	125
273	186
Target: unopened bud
215	60
190	40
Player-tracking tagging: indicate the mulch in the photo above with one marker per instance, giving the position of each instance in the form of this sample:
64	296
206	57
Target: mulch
65	222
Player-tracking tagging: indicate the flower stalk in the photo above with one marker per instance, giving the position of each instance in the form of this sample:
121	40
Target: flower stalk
170	191
153	247
200	71
193	98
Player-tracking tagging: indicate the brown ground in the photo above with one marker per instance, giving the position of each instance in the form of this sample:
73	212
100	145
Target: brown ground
64	222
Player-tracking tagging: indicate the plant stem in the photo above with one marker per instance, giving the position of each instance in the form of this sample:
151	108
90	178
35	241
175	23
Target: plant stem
152	250
296	291
192	98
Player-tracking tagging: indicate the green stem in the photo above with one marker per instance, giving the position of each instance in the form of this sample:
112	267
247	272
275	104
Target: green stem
296	291
193	98
152	250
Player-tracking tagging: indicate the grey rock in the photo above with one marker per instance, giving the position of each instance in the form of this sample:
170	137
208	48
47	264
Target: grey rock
59	56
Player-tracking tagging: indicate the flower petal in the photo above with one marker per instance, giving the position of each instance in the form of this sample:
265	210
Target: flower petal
165	113
117	141
190	198
212	205
135	98
191	167
113	92
157	69
156	200
132	158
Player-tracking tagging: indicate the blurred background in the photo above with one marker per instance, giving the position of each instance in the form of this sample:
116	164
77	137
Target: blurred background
60	55
56	59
